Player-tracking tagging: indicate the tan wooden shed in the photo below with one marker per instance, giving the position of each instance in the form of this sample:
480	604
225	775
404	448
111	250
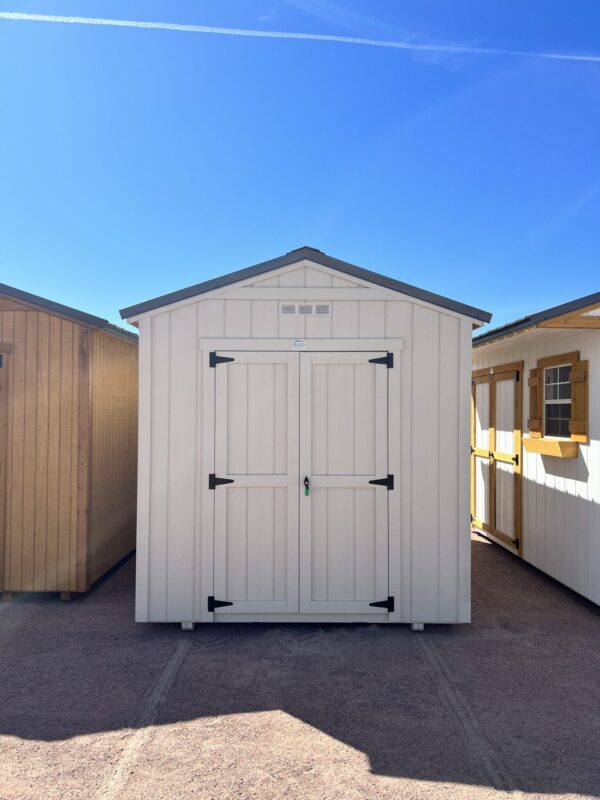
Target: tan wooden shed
68	441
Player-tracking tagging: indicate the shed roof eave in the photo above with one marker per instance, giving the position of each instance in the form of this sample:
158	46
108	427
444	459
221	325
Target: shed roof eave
74	314
132	313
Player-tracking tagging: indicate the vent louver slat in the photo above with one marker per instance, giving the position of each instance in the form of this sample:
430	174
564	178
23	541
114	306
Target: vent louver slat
305	309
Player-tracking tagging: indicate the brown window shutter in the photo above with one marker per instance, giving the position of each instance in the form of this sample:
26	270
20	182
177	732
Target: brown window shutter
535	404
579	401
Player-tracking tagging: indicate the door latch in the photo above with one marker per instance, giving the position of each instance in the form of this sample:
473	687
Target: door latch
306	486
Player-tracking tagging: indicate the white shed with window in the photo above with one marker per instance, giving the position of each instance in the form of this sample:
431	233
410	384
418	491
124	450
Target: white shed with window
304	448
538	494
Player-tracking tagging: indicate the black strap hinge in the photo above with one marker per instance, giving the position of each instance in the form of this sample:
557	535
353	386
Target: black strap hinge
515	459
213	481
212	603
214	359
387	359
389	482
516	543
389	604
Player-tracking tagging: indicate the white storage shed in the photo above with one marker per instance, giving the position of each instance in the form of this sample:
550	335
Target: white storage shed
538	494
304	448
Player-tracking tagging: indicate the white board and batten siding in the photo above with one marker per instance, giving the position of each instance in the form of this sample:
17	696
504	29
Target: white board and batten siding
326	412
561	497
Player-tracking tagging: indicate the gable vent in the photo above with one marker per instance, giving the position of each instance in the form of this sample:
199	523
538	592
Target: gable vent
305	309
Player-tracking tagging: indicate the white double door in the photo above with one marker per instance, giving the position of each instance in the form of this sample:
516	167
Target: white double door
281	418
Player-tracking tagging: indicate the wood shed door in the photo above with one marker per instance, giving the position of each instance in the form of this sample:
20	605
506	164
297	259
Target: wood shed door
505	447
3	459
480	453
256	509
496	453
344	517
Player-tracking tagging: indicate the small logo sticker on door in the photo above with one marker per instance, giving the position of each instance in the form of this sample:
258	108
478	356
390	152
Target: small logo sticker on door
299	345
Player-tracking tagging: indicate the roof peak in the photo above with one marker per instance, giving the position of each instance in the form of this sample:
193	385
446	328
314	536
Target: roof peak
318	257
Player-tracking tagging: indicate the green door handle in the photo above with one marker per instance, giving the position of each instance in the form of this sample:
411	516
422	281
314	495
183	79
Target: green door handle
306	486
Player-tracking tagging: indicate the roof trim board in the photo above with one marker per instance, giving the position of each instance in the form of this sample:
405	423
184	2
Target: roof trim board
573	314
318	257
66	311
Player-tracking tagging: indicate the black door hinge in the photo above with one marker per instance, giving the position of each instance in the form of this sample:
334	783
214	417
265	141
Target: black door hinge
389	604
214	359
1	360
212	603
213	481
516	543
389	482
515	459
387	359
518	376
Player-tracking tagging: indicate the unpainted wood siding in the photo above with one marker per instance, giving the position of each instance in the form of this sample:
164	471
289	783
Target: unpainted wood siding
43	422
113	479
430	559
561	497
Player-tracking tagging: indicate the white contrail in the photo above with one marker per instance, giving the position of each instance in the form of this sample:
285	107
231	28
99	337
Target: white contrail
316	37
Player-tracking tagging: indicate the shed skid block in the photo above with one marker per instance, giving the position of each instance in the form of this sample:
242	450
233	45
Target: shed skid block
417	626
187	626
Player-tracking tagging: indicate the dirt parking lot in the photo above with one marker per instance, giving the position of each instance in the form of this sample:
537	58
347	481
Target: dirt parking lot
94	706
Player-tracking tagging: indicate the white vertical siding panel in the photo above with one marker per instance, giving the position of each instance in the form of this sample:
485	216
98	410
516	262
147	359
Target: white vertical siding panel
159	468
337	281
592	548
425	452
371	319
201	471
451	396
464	483
211	318
296	278
344	319
182	465
238	318
265	318
316	278
144	454
398	320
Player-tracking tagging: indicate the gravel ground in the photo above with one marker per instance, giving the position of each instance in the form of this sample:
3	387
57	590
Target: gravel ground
94	706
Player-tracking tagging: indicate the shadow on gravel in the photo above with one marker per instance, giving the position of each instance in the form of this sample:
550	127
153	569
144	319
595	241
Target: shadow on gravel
523	676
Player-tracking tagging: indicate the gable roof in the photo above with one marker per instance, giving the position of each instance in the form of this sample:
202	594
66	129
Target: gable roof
534	320
66	311
318	257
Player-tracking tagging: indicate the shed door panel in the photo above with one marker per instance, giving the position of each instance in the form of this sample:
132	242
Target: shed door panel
3	459
481	450
504	487
344	519
256	516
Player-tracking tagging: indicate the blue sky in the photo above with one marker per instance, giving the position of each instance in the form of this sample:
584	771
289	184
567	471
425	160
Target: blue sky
135	162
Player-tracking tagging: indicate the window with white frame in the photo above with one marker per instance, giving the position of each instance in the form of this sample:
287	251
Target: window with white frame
557	400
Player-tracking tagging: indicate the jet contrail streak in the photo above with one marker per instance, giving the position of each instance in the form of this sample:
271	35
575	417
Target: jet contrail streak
316	37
